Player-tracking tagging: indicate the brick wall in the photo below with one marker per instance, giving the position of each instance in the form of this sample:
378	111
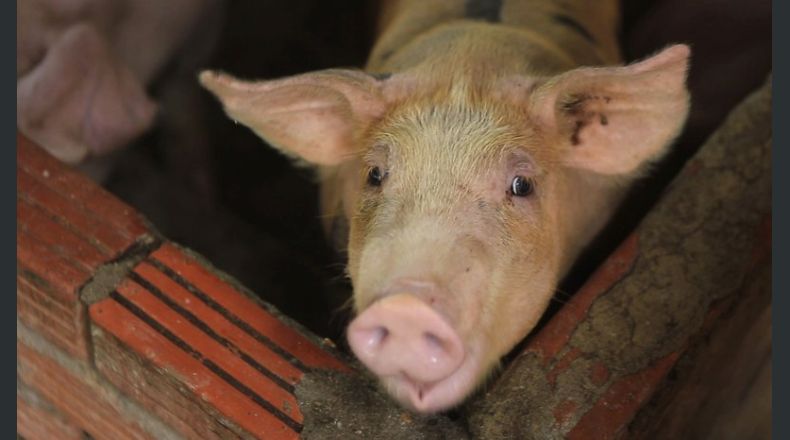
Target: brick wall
124	335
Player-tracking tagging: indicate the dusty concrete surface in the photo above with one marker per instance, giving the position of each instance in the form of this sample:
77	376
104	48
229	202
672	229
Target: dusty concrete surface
109	275
721	388
695	247
342	406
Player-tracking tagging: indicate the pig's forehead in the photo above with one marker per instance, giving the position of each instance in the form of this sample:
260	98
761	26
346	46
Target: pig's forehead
457	135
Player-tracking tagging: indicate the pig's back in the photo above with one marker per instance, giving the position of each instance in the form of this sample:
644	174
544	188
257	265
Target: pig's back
553	33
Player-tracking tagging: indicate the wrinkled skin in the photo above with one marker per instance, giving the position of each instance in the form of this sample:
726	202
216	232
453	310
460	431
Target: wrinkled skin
451	262
83	67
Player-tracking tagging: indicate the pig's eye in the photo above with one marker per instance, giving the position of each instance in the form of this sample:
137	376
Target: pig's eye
521	186
375	176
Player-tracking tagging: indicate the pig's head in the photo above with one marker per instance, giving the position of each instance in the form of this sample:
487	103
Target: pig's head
466	201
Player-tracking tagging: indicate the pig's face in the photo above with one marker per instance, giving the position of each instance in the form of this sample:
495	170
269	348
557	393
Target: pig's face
458	220
465	200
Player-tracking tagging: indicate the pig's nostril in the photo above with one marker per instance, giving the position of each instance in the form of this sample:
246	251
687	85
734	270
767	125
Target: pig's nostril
440	351
435	345
375	337
432	340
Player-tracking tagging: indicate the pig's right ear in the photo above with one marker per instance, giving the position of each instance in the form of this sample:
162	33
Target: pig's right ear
317	116
612	120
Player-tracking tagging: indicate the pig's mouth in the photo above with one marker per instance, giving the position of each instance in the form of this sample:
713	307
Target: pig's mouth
435	396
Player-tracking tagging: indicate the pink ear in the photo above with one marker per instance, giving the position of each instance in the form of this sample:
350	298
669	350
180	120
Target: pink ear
612	120
316	116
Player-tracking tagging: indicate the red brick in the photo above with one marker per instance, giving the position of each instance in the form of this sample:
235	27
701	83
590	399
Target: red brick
61	322
37	263
47	300
67	228
39	421
246	309
198	345
222	325
186	387
57	238
209	348
77	397
55	306
79	190
161	391
84	222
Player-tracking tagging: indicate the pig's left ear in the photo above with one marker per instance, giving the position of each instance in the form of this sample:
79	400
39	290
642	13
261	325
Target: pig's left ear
317	116
611	120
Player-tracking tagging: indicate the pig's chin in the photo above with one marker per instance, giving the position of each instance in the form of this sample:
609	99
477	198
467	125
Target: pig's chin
438	395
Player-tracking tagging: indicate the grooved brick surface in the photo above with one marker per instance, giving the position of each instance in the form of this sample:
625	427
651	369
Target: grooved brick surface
60	320
75	396
38	420
203	347
67	227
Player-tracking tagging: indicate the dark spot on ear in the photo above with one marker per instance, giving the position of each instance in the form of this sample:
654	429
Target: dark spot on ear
467	269
574	105
577	107
573	24
486	10
381	76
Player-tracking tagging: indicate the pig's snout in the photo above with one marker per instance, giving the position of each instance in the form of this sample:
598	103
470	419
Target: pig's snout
402	338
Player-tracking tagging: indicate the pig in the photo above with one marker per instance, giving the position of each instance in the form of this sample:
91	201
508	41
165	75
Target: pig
482	147
84	66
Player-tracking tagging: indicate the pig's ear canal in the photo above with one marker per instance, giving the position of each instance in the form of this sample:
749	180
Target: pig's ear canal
612	120
316	117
